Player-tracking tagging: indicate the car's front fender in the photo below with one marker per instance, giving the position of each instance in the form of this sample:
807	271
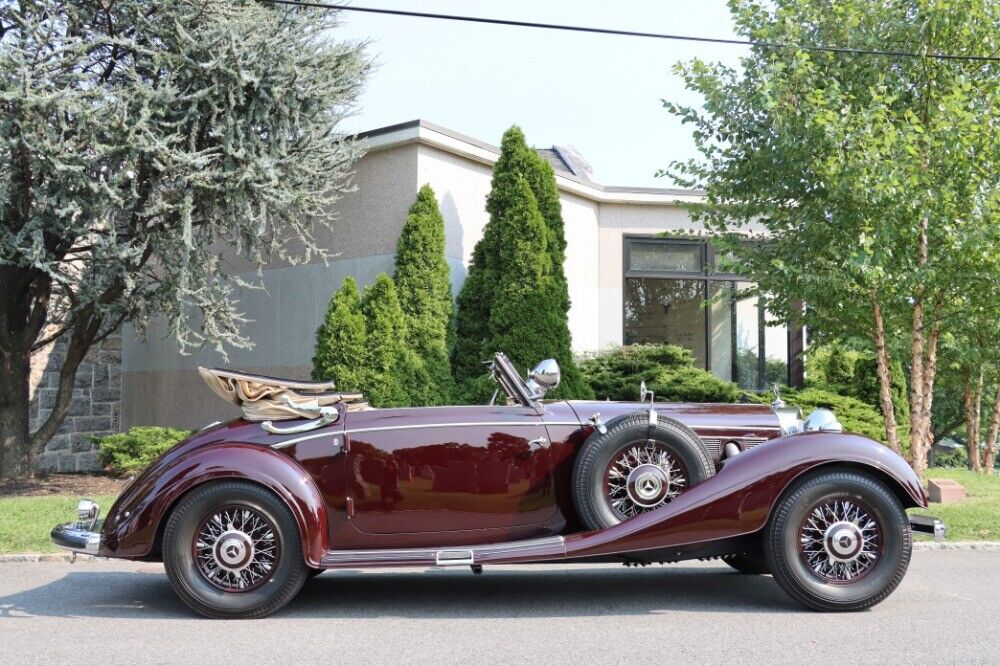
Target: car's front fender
135	522
739	499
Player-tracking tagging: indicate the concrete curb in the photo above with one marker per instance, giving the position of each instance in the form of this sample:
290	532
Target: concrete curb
956	545
43	557
917	545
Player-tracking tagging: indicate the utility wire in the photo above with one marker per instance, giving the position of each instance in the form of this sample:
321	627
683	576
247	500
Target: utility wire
634	33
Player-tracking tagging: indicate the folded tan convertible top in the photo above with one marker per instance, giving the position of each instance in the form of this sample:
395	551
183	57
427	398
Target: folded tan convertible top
265	398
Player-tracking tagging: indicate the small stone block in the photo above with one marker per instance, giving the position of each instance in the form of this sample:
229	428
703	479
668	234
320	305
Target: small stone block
945	491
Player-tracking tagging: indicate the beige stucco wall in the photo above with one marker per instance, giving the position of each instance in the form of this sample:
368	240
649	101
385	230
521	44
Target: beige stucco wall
161	386
583	259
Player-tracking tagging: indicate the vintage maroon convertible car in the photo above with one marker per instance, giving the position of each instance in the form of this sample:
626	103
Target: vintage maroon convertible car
310	479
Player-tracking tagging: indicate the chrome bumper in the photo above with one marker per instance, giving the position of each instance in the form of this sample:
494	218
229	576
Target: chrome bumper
83	536
77	538
929	525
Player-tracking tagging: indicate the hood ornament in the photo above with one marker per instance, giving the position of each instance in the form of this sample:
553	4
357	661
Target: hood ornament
778	402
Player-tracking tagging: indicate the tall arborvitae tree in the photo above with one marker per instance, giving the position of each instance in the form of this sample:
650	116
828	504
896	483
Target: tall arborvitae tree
391	369
341	341
424	289
543	312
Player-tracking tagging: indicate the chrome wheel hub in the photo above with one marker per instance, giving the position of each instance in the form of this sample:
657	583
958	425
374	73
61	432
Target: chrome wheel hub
642	477
646	485
236	549
840	541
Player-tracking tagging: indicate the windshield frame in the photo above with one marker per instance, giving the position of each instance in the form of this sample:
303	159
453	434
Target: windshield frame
506	376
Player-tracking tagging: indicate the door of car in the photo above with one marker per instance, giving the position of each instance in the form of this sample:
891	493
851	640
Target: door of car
448	469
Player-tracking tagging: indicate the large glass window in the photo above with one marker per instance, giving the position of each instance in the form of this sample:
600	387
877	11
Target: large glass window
672	296
658	311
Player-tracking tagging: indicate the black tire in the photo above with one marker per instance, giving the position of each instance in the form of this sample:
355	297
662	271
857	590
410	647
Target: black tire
284	579
893	543
752	564
590	496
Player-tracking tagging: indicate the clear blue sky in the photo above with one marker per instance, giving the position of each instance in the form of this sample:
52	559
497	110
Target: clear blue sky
600	94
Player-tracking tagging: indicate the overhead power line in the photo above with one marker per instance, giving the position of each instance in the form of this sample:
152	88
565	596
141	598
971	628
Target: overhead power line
634	33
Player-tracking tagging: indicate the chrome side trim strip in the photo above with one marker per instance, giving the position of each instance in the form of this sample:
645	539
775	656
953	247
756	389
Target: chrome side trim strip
445	556
720	427
296	440
418	426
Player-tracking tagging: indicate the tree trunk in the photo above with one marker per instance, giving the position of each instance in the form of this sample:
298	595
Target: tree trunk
917	439
989	461
970	396
15	369
922	364
930	373
884	377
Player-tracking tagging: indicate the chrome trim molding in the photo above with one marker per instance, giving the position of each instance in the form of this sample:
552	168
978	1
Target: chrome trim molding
722	427
464	424
444	556
296	440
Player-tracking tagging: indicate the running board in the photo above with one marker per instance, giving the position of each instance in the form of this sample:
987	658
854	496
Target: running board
490	553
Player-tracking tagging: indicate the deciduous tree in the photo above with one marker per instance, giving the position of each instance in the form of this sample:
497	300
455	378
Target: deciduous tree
873	178
138	138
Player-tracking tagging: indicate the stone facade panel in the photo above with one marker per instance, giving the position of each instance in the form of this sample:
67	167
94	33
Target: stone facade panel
94	410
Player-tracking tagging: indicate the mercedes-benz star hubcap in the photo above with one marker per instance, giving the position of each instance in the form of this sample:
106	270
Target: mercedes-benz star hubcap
236	549
643	476
840	541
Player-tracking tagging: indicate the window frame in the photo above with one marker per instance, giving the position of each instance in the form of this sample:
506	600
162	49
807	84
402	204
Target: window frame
711	280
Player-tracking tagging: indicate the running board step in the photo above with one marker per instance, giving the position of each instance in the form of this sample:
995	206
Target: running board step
491	553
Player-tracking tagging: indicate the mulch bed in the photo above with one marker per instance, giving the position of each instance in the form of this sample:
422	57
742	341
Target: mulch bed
62	484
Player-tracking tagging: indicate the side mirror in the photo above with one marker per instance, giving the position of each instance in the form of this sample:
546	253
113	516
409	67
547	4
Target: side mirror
544	377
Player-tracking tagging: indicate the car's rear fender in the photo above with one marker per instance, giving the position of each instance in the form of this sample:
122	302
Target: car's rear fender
135	523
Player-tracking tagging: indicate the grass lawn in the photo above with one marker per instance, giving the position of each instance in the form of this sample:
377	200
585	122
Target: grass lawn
25	522
975	519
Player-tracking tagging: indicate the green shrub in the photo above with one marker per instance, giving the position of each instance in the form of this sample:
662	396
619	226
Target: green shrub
515	297
393	374
668	371
341	341
424	287
131	452
838	369
855	415
956	458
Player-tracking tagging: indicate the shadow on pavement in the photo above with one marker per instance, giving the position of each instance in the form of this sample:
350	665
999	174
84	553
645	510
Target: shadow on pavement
498	593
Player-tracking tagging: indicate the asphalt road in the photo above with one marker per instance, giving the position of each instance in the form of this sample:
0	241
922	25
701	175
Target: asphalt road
946	611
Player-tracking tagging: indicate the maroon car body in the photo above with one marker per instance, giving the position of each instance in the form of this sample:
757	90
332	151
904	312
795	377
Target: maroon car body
391	486
241	512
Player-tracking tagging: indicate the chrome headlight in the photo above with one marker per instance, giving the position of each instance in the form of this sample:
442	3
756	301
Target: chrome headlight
822	419
87	512
789	418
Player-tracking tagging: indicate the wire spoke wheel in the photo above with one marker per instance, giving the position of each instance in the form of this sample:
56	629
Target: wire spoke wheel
236	549
840	540
643	475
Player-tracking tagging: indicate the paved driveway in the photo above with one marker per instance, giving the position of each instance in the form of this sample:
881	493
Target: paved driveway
946	611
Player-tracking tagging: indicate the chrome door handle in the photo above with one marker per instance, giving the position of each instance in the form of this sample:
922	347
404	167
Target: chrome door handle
538	441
